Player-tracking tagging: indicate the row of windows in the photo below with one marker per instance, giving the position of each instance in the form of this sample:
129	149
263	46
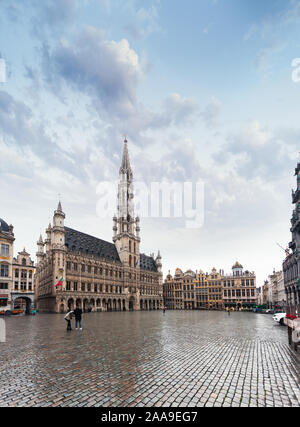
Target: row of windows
198	291
23	286
3	285
4	272
88	287
88	269
23	273
188	296
108	272
247	282
216	294
187	287
239	292
209	284
211	296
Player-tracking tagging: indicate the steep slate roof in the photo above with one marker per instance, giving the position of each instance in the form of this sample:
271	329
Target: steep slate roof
3	226
89	245
147	263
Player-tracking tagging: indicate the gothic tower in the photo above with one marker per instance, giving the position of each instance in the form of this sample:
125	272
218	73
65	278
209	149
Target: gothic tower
126	227
58	246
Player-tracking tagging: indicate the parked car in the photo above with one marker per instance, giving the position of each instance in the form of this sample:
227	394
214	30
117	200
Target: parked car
279	318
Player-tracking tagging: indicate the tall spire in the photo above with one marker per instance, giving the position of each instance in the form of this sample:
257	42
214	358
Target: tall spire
125	217
125	165
125	227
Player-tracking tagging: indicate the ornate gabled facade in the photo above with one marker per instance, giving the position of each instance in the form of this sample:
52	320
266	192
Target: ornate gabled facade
211	291
16	274
239	288
74	268
291	264
23	293
179	292
6	260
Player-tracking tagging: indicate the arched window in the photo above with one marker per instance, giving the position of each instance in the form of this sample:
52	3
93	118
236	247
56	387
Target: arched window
24	261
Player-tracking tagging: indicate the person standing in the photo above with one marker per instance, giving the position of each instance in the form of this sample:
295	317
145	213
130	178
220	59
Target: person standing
78	314
68	318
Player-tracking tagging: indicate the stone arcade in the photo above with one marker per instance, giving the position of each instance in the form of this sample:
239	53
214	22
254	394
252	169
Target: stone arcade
95	274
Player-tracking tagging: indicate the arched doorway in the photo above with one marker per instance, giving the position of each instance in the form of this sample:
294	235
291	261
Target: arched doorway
119	305
124	305
71	304
23	303
131	304
109	308
85	305
92	304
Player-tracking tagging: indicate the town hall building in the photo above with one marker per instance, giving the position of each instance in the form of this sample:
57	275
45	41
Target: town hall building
74	268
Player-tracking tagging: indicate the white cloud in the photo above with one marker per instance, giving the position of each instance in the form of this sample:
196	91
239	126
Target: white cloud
107	70
211	113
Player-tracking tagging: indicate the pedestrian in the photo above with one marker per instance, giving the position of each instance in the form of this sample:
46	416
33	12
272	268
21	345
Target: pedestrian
164	310
68	318
78	314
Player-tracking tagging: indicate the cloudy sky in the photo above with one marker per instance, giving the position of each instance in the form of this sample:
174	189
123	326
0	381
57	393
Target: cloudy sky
203	90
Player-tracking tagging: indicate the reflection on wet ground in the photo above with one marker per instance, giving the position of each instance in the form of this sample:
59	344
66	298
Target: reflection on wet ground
182	358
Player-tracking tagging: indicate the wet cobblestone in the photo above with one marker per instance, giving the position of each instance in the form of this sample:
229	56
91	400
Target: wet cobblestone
149	359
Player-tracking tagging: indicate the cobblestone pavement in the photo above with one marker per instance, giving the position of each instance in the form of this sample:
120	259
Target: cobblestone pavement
178	359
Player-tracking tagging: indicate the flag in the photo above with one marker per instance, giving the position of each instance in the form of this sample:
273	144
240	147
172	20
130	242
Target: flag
59	283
